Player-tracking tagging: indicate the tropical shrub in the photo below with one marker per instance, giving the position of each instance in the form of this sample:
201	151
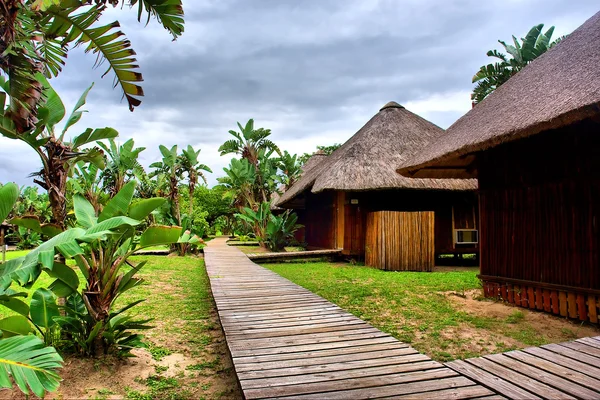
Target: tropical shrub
257	220
272	231
280	230
100	245
23	357
26	238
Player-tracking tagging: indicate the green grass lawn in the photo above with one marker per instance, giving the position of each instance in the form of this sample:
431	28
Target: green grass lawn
186	328
418	308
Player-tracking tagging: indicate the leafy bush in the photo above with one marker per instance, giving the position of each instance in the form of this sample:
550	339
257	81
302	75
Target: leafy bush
22	356
271	231
280	230
26	239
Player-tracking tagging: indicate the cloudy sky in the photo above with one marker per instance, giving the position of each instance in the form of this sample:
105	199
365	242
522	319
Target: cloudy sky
313	71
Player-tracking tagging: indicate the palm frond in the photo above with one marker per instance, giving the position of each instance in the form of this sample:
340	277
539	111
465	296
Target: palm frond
105	41
168	12
31	365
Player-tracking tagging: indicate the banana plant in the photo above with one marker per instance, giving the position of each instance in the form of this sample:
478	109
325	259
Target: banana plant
239	184
58	155
280	230
37	35
190	165
23	357
290	167
491	76
86	182
258	220
169	170
122	164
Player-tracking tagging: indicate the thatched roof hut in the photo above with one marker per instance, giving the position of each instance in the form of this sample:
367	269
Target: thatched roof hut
354	200
366	161
557	89
534	146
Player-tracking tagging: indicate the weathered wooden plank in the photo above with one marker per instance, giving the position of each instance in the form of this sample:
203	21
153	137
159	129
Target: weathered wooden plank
387	389
490	380
309	347
583	348
316	358
377	348
420	360
525	382
572	353
464	392
590	342
331	384
565	386
564	373
577	364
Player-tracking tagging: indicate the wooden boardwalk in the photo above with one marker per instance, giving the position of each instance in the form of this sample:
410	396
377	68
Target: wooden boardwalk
555	371
288	342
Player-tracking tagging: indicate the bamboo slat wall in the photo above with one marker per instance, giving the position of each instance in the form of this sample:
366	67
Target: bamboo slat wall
400	241
540	215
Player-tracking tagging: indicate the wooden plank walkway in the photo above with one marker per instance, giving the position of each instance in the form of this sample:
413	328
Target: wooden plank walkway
294	255
555	371
287	342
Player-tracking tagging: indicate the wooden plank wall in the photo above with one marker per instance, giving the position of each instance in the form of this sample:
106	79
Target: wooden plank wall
400	241
319	217
540	216
354	227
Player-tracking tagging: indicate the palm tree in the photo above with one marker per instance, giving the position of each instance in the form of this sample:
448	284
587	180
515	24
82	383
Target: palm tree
290	167
239	183
169	171
491	76
189	164
248	142
122	165
35	37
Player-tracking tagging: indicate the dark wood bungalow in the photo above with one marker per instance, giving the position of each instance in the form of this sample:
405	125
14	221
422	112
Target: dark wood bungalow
534	144
353	199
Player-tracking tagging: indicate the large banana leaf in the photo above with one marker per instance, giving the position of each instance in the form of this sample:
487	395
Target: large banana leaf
156	235
43	308
77	112
141	209
9	194
31	365
91	135
14	325
66	281
119	204
33	223
168	12
25	270
84	211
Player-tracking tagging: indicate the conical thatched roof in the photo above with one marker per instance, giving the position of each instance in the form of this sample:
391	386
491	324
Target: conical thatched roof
559	88
367	160
313	161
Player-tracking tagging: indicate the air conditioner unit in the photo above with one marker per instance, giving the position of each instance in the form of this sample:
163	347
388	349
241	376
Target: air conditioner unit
466	236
